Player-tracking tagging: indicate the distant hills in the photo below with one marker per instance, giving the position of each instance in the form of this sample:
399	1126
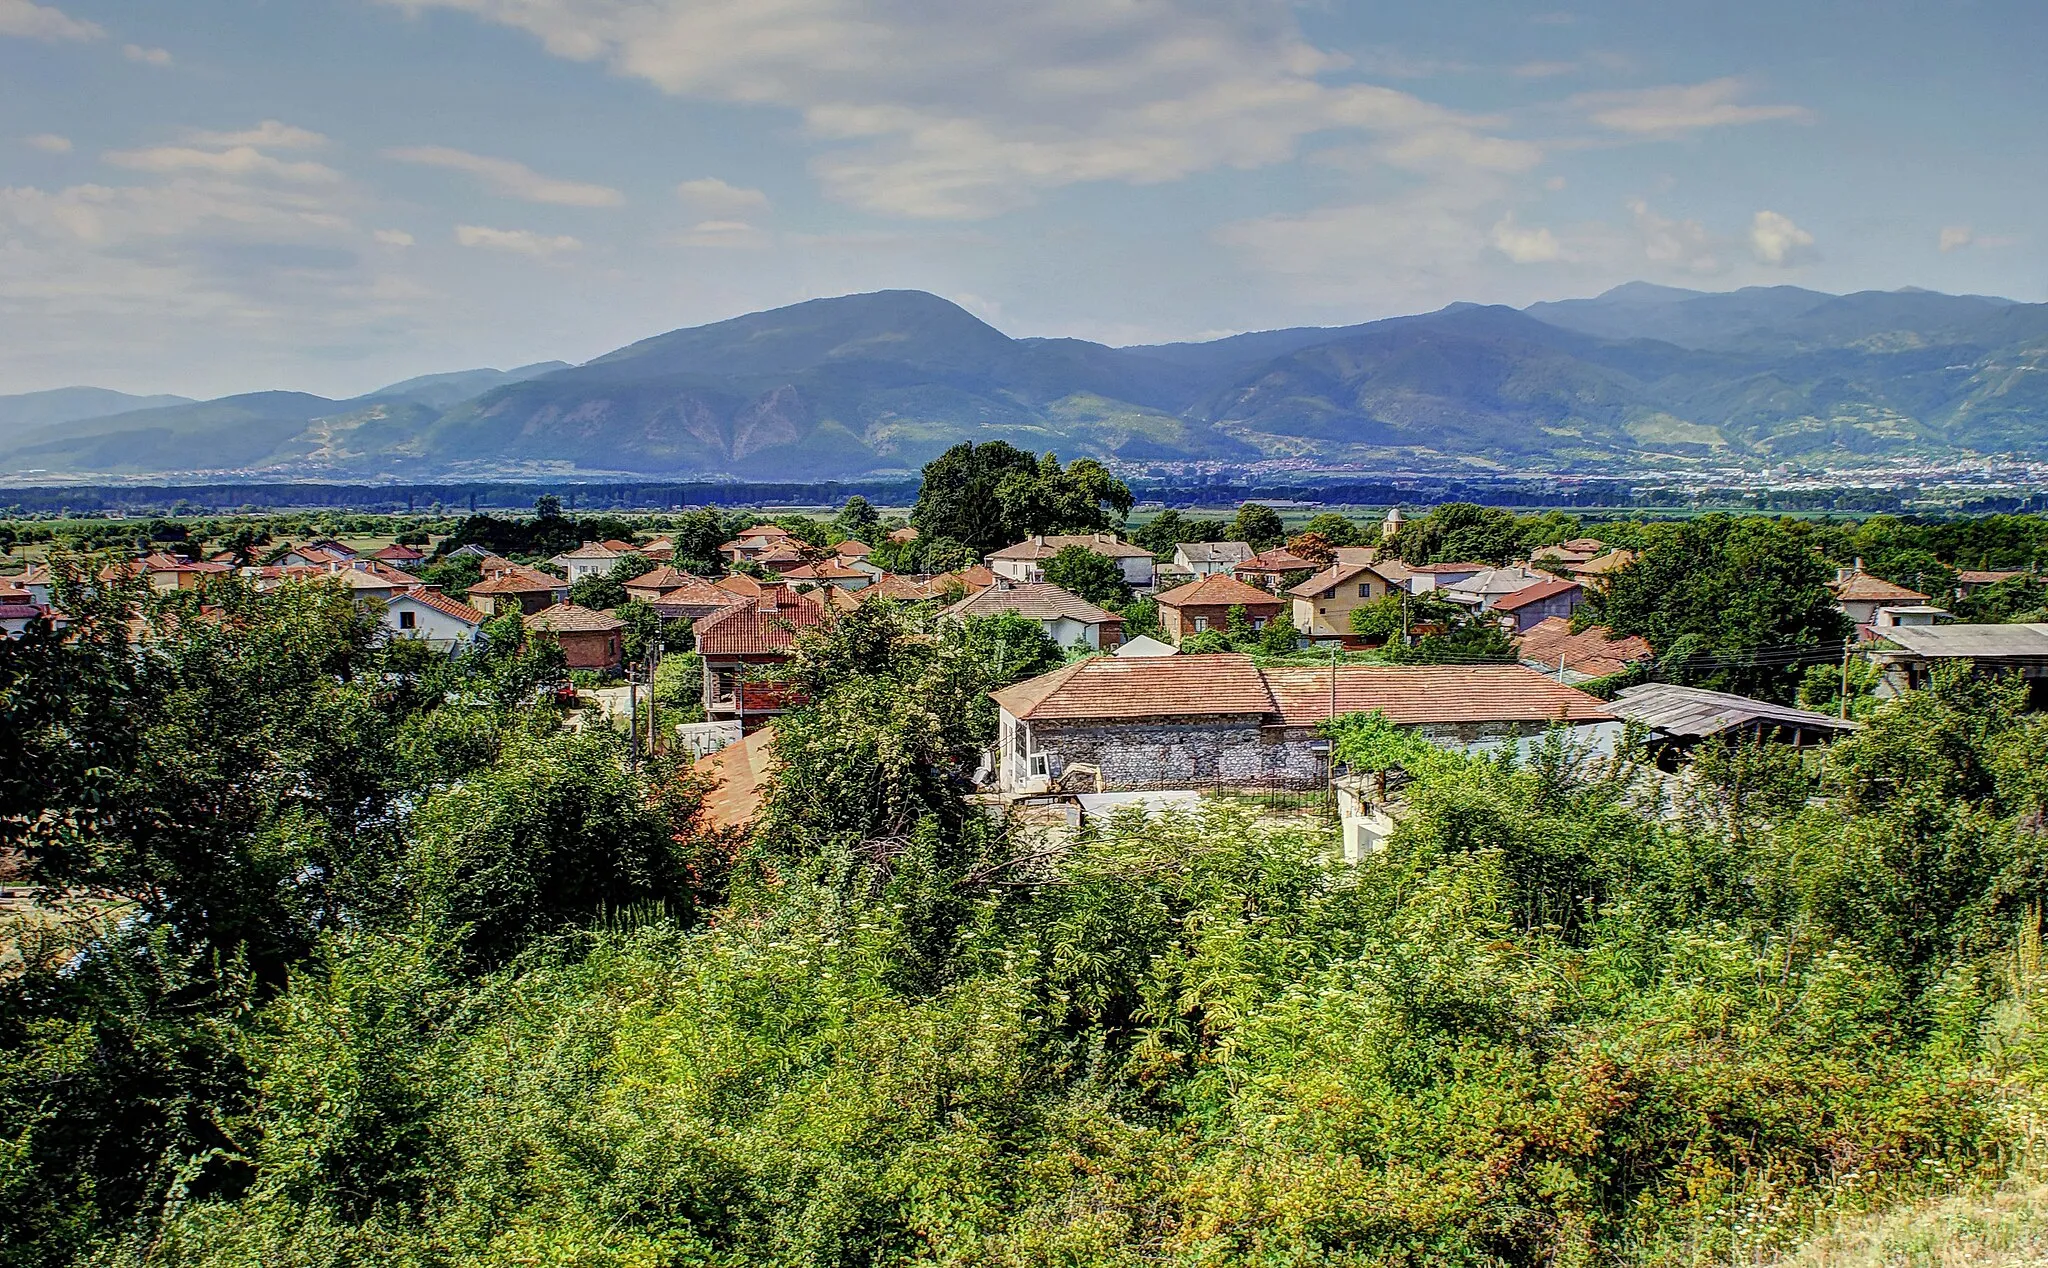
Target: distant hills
881	382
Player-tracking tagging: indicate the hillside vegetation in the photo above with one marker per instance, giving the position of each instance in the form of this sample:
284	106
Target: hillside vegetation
407	973
884	382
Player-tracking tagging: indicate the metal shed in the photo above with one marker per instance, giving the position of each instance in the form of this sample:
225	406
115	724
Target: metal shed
1686	715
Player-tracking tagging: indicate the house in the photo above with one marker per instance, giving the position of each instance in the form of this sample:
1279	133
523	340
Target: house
314	555
901	589
424	613
1601	567
1594	652
1206	559
1532	605
662	549
829	573
903	536
967	580
1220	721
591	559
1680	717
1198	606
853	554
399	555
1269	570
589	640
1427	578
1143	646
1578	550
1482	590
1025	561
1907	614
757	541
691	600
1906	654
38	581
1323	604
1859	595
745	637
1970	580
1354	554
514	588
1065	617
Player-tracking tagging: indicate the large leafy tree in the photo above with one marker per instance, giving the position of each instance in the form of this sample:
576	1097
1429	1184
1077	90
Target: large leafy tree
990	495
1730	604
1094	576
1259	525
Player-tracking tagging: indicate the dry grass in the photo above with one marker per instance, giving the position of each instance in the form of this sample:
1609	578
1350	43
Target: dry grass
2005	1228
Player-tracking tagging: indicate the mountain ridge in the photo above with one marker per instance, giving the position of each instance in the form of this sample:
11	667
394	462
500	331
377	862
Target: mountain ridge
880	382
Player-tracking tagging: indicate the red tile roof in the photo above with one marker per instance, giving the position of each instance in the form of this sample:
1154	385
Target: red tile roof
1986	577
1038	601
519	581
443	604
398	553
1861	587
1602	564
853	550
1160	687
767	625
1442	569
1045	547
1418	694
1333	576
1519	599
664	578
568	618
1593	651
742	773
1279	559
827	571
1219	590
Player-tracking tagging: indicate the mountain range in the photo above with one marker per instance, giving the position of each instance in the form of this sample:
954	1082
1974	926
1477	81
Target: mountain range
881	382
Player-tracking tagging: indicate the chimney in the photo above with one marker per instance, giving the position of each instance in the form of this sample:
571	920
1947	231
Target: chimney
1038	539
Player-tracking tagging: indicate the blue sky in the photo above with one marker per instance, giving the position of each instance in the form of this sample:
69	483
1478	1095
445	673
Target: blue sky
228	195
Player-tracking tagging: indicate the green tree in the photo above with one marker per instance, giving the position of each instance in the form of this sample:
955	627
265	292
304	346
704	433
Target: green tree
857	521
1259	525
1093	576
957	499
1736	605
547	507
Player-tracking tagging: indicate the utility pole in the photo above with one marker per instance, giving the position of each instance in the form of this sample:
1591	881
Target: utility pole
1845	678
632	725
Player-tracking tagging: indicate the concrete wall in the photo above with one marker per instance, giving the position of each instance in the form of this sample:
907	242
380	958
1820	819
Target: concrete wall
430	624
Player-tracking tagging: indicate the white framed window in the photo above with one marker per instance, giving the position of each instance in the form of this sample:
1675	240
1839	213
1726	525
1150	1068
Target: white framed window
1041	766
1201	624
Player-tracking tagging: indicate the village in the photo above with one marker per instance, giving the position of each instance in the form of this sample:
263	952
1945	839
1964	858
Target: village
1248	659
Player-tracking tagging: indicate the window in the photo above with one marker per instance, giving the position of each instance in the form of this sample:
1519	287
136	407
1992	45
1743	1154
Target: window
1258	623
1041	765
407	620
1201	624
1365	589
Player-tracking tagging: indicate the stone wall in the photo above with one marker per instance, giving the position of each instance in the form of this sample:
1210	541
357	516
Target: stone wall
1196	752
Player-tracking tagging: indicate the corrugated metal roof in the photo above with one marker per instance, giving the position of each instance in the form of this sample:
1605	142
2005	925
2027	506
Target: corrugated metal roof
1691	713
1970	641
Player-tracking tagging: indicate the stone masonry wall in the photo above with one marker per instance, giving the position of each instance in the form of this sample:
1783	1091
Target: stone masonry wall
1167	754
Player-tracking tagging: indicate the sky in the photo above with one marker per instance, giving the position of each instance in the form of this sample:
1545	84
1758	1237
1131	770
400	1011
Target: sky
219	196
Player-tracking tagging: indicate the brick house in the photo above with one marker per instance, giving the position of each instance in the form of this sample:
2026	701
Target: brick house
508	587
753	632
1198	606
589	640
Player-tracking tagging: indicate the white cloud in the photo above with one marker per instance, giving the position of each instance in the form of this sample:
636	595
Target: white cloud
714	197
240	160
1683	245
967	109
727	234
514	180
1523	245
1956	237
516	241
267	135
1679	108
147	56
1776	241
40	22
49	143
393	237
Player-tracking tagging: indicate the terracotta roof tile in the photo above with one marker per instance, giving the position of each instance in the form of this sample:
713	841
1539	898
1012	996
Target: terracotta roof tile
742	773
769	624
1861	587
1418	694
1519	599
1219	590
519	581
1594	651
1987	577
1279	559
568	618
1333	576
1155	687
1038	601
1047	546
664	578
443	604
